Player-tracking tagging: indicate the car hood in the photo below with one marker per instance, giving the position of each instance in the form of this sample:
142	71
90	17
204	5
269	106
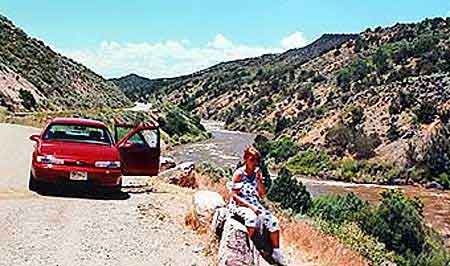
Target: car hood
79	151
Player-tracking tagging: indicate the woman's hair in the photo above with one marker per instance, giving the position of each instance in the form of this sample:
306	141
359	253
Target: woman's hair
251	151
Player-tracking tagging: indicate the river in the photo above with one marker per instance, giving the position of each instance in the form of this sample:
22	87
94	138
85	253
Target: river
226	147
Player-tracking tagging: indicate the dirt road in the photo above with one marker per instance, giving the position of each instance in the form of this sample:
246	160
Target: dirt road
134	229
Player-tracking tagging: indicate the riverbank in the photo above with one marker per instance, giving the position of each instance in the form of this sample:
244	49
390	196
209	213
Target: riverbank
225	149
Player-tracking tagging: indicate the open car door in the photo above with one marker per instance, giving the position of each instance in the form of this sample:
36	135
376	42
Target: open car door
139	148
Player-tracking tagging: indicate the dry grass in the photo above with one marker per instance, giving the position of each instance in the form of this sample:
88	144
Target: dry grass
317	247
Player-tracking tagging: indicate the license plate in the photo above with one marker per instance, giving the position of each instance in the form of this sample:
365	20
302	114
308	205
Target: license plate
78	175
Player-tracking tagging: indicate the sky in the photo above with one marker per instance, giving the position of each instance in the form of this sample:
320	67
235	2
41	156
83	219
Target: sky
169	38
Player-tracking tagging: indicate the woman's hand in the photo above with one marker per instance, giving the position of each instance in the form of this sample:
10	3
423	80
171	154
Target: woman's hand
261	188
259	175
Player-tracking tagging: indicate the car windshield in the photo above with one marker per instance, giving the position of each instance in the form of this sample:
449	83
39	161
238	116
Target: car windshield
78	133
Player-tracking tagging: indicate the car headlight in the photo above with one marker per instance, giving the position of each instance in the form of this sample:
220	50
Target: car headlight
49	159
107	164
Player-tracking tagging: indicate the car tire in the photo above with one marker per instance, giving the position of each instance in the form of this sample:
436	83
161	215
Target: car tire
33	184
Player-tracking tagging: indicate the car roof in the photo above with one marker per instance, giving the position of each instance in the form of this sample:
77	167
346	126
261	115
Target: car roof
77	121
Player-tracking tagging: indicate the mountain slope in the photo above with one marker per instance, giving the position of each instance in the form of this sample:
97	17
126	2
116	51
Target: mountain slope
54	81
383	95
137	87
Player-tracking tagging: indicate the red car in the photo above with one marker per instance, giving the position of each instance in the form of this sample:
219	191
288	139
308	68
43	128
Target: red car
81	151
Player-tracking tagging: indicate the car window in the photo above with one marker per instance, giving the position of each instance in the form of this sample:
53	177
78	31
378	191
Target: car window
150	137
78	133
136	139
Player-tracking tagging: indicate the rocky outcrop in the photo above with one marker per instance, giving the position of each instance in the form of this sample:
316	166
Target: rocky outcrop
431	148
235	247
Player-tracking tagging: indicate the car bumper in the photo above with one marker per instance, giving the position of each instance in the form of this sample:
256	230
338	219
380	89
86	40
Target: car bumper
60	174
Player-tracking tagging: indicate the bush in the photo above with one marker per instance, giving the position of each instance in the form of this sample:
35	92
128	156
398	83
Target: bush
214	172
280	149
309	162
337	209
424	44
358	70
380	59
397	222
343	78
444	180
290	193
347	169
28	100
425	112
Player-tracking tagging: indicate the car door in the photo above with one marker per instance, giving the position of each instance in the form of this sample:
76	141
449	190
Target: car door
139	149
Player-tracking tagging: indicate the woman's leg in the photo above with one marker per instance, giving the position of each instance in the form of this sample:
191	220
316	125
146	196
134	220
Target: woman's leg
249	217
272	224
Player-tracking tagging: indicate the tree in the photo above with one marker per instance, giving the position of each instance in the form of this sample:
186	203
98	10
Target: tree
380	59
290	193
28	100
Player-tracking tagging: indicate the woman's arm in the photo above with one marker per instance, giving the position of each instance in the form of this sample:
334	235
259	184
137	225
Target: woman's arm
238	199
260	184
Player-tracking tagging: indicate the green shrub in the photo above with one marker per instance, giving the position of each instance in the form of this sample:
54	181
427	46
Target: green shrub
425	112
28	100
397	222
309	162
214	172
357	71
347	169
444	180
425	44
280	149
337	209
343	78
290	193
380	59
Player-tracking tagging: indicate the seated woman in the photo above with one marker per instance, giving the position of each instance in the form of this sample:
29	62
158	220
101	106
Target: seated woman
247	189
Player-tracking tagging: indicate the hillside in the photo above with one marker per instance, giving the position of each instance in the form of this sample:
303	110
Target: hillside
34	77
382	95
227	75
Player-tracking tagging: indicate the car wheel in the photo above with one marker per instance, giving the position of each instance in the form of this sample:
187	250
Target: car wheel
33	184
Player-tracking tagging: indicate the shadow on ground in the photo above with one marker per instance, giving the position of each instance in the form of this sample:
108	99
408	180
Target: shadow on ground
83	193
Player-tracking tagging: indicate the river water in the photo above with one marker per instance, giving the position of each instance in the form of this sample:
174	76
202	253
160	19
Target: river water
226	147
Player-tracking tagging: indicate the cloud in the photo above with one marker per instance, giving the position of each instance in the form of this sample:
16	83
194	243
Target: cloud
220	42
170	58
295	40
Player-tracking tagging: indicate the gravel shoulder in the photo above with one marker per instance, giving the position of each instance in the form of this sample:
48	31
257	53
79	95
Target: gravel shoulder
140	229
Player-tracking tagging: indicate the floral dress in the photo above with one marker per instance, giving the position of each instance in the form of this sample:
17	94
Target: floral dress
247	188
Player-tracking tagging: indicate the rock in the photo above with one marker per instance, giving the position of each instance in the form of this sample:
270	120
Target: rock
166	163
184	175
218	221
235	249
205	204
434	185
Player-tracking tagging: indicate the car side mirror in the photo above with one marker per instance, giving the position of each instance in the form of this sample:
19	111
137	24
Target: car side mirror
35	138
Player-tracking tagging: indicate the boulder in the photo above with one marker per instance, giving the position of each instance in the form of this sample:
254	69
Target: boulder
205	204
235	247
